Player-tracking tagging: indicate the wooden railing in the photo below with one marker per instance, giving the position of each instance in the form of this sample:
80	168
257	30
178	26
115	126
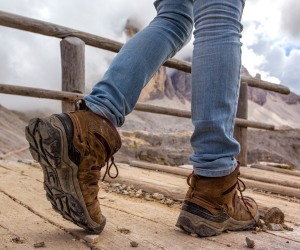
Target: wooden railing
73	75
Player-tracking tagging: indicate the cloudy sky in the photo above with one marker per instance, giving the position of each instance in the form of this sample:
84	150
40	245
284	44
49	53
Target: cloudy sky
271	39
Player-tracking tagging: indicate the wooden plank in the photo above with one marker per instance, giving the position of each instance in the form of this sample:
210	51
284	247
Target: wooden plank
146	229
73	68
68	96
257	83
288	188
278	170
50	29
151	224
17	221
158	167
240	133
39	93
269	179
270	175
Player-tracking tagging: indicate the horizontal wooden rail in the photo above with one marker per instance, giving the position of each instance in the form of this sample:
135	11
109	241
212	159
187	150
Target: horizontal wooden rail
39	93
69	96
50	29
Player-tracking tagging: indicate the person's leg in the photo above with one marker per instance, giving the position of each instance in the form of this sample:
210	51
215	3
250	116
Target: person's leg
117	93
73	147
212	204
215	85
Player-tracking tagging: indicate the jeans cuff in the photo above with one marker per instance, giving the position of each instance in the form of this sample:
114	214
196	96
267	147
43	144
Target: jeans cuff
214	173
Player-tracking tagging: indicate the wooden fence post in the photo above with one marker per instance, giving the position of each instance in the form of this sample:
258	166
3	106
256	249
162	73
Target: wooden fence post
73	68
240	133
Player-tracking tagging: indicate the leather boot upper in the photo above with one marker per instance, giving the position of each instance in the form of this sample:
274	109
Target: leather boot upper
97	140
219	194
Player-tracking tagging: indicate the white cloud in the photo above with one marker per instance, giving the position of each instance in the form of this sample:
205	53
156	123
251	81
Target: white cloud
267	44
27	59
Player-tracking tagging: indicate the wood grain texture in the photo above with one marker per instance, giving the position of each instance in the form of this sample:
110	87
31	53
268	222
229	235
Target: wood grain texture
240	133
278	170
288	188
68	96
39	93
50	29
73	68
20	222
152	224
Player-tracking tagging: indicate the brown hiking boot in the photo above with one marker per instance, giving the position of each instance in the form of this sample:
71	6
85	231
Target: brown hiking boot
72	148
212	205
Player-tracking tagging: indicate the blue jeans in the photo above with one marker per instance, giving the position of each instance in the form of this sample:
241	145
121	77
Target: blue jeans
215	74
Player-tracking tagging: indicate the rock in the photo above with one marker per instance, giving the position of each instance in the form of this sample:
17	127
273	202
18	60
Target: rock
124	230
169	88
92	238
131	195
182	83
290	229
155	88
180	96
287	241
272	215
134	244
147	198
122	187
125	192
101	196
116	185
284	226
264	228
169	202
140	191
17	240
194	235
111	200
130	188
229	245
158	196
138	195
254	232
261	223
296	224
250	243
275	227
40	244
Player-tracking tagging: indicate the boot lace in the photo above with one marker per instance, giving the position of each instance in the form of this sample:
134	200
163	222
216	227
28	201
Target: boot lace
108	169
241	190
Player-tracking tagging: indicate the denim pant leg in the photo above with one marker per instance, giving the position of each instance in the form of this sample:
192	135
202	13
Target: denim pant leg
215	85
117	93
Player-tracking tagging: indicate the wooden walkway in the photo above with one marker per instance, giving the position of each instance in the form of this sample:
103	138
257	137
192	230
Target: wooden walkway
25	213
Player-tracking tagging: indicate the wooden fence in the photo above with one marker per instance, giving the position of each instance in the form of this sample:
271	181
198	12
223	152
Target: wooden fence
73	75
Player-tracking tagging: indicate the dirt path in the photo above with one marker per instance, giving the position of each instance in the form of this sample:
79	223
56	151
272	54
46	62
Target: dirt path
25	212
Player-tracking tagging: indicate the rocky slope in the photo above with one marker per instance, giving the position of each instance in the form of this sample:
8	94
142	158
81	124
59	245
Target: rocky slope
174	148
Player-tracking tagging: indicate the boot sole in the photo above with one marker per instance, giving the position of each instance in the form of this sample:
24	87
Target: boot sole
196	219
51	144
